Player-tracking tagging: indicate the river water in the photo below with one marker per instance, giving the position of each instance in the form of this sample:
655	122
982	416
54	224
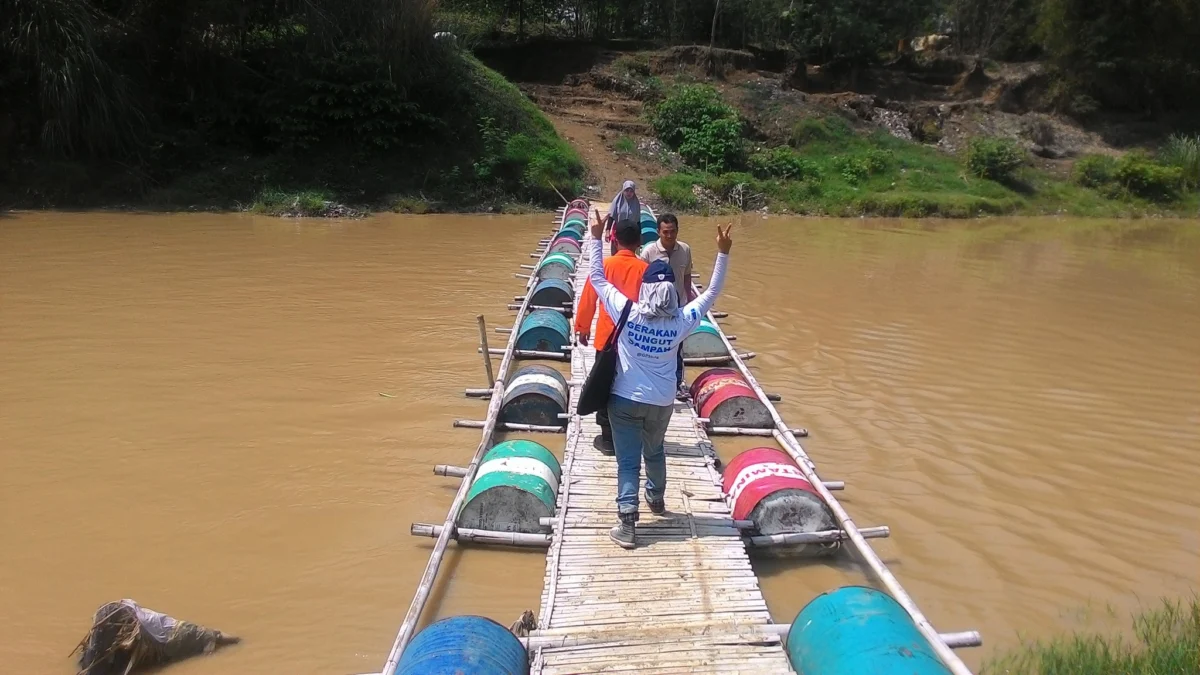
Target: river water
234	419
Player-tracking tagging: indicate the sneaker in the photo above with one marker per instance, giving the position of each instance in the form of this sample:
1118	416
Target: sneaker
623	535
657	507
604	445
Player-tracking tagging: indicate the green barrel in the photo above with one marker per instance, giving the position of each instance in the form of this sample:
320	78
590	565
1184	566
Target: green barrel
516	486
544	330
566	233
649	233
705	340
556	266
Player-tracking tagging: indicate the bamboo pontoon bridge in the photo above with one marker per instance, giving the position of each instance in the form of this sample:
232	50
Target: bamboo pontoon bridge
687	599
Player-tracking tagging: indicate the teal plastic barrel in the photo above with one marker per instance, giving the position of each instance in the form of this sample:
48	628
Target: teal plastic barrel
544	330
556	266
552	293
856	629
464	644
515	487
568	232
649	233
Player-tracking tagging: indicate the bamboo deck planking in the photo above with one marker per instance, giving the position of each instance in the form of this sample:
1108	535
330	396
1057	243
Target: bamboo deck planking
690	567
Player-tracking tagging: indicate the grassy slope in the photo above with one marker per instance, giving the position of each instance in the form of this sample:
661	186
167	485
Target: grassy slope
908	179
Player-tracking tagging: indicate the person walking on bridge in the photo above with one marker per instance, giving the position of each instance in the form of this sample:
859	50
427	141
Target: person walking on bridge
625	206
678	255
643	391
623	270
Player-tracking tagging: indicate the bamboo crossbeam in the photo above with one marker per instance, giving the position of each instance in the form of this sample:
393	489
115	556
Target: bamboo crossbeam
790	443
716	360
823	537
509	426
531	354
520	309
543	640
425	587
743	431
483	536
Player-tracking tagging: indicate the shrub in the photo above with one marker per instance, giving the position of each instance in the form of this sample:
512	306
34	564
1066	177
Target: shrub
686	110
1095	171
1184	152
676	190
781	162
715	146
853	170
993	158
1142	176
819	130
625	145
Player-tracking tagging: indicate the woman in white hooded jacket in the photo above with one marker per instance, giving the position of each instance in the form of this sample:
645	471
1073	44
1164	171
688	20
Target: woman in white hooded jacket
643	392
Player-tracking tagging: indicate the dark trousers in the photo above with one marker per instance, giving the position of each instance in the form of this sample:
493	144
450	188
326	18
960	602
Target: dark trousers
605	425
679	369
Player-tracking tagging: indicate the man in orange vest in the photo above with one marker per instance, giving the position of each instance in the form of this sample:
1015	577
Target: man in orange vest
623	270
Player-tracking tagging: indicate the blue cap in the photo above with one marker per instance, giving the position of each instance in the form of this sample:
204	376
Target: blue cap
659	270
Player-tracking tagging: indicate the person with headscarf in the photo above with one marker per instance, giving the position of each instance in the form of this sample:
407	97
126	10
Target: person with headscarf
625	206
643	391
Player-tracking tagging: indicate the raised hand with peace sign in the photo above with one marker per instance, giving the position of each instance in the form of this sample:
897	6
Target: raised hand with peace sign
724	241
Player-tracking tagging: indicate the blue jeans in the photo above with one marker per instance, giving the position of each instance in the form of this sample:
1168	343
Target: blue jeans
638	431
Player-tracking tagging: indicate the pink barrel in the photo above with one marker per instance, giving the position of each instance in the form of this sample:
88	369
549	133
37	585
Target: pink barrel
767	487
575	212
580	204
722	395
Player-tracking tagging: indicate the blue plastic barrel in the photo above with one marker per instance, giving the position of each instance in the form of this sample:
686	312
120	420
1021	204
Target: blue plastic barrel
649	233
544	330
552	293
856	629
535	395
464	644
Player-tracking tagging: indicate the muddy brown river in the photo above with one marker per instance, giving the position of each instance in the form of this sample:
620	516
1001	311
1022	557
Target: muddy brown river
234	419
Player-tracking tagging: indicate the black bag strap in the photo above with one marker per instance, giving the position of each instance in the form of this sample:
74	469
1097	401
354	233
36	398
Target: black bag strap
616	334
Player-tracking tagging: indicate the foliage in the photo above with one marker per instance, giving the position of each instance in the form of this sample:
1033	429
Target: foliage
781	162
625	145
1184	152
819	130
1132	54
276	202
1141	176
856	31
1166	642
687	109
703	128
1095	171
993	158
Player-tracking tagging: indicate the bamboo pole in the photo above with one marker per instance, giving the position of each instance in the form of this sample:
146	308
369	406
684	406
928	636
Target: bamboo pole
508	426
425	587
521	309
532	354
743	431
822	537
449	471
716	360
483	536
749	633
789	443
483	349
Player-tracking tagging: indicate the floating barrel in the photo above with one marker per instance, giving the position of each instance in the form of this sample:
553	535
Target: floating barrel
580	204
575	213
565	245
722	395
544	330
567	233
536	395
464	644
766	486
552	293
556	266
649	233
576	222
516	485
855	629
705	340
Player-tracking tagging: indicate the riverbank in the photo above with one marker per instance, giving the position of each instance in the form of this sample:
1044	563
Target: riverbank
468	142
929	135
1166	641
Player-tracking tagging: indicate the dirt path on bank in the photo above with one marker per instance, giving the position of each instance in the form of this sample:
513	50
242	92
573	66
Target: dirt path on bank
597	123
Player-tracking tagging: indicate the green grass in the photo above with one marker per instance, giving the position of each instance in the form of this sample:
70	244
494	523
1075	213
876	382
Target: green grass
274	202
625	146
828	168
1165	641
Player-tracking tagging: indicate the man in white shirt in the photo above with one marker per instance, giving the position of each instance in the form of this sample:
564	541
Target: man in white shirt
678	255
